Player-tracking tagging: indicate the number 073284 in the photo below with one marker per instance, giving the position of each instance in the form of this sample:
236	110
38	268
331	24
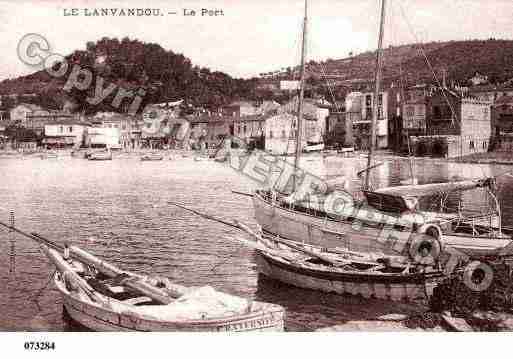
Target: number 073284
39	345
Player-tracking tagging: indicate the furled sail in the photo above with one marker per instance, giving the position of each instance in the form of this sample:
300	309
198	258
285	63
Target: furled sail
435	188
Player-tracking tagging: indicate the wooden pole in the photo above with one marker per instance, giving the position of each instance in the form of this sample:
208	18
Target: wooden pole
299	131
375	110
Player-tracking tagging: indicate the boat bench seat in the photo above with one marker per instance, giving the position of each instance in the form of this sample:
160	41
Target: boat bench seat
117	289
137	300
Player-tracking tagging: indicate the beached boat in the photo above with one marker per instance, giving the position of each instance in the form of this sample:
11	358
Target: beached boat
48	155
317	147
103	297
152	157
100	156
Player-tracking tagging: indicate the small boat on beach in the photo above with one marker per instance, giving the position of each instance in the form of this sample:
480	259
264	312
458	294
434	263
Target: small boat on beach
48	155
103	297
152	157
100	156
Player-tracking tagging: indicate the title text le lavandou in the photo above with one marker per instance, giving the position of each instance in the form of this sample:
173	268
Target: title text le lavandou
138	12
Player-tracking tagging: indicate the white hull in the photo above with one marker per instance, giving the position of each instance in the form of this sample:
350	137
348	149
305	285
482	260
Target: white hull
98	318
353	236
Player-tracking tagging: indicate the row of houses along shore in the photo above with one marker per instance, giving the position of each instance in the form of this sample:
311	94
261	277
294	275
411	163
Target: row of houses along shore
424	120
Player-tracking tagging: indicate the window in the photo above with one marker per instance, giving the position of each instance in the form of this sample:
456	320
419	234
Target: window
270	134
283	134
70	128
437	113
61	129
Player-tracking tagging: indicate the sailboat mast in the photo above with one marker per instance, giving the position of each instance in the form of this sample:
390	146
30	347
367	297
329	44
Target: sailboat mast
375	109
299	131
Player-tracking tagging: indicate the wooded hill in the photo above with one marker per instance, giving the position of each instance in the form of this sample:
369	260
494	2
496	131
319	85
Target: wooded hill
459	59
133	65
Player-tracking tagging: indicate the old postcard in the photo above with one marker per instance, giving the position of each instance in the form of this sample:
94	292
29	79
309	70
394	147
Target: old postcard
220	166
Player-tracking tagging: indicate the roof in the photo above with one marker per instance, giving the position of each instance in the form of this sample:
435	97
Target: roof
210	119
491	88
241	103
68	122
503	100
31	106
253	118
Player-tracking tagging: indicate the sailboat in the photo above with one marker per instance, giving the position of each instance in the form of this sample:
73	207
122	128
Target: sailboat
366	226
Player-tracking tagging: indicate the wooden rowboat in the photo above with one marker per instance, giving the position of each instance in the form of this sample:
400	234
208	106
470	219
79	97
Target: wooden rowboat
100	156
102	297
335	270
356	278
340	272
152	157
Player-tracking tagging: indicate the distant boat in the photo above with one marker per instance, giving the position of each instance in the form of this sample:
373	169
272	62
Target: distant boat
152	157
47	155
318	147
100	156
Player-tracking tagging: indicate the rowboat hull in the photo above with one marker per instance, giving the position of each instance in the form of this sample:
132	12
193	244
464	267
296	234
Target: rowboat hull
98	318
353	235
389	287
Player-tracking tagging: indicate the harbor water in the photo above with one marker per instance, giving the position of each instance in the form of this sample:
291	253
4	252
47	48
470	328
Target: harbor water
119	210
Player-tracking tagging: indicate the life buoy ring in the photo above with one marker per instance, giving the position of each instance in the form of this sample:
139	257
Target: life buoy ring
427	245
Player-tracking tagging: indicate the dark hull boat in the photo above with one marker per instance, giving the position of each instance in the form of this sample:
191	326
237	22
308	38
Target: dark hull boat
344	272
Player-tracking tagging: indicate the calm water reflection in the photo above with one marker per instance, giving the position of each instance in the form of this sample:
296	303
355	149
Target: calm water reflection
118	209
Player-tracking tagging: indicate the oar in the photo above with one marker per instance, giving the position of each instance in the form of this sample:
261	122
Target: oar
242	193
137	283
34	237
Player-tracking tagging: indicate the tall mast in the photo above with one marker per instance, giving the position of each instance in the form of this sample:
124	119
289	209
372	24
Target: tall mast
375	109
299	131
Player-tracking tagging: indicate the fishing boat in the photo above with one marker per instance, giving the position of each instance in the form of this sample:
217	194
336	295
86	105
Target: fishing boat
103	297
375	275
346	272
152	157
99	156
363	226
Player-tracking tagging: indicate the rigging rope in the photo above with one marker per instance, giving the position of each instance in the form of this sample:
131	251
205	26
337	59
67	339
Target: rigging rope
423	52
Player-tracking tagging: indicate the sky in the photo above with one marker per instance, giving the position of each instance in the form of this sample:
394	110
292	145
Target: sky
253	36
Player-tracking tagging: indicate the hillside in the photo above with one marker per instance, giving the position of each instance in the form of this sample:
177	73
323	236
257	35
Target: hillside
134	66
460	60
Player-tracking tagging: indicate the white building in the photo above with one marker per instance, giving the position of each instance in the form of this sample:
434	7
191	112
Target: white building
359	108
65	134
280	133
313	110
22	112
103	137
